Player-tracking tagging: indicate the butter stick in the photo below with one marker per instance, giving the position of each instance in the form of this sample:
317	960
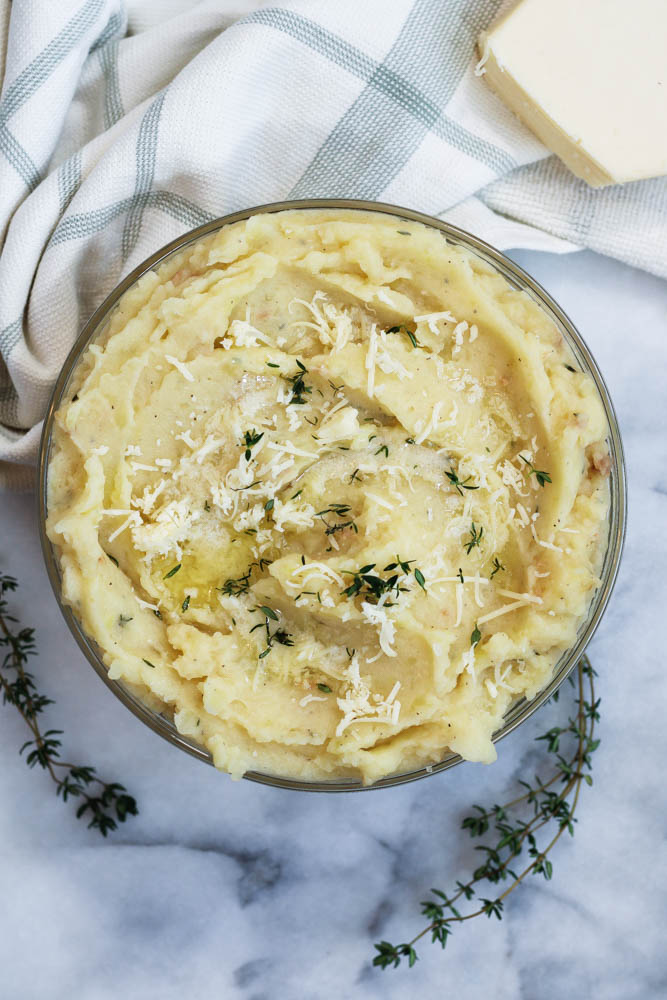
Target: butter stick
589	78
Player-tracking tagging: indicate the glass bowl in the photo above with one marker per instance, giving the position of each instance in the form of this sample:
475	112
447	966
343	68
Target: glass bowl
522	709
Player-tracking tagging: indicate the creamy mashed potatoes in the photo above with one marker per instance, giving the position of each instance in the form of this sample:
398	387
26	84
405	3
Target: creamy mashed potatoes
331	493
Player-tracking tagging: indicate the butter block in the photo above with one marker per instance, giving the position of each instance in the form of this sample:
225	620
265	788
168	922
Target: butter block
589	78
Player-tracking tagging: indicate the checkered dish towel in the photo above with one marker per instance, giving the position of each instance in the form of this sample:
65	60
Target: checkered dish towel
112	145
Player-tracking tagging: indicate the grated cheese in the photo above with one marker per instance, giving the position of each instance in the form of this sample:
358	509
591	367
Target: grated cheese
183	369
146	502
132	519
523	515
289	514
379	500
333	326
244	334
501	611
459	604
357	706
458	332
531	598
319	569
370	361
162	536
140	467
432	320
432	423
375	614
290	449
186	437
211	444
146	604
310	697
545	545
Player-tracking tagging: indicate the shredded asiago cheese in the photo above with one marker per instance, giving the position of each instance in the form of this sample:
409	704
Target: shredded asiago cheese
432	423
356	705
244	334
531	598
375	614
132	519
182	368
432	320
379	501
544	545
317	568
310	697
501	611
371	354
459	330
333	326
459	604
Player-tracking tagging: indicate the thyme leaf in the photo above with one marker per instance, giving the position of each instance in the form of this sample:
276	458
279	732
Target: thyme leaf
497	566
299	387
371	586
339	510
475	538
250	439
542	477
460	484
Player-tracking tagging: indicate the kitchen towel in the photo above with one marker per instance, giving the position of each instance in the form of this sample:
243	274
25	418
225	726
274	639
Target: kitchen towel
112	144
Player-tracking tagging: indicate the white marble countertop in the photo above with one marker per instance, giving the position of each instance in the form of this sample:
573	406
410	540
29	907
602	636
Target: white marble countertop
234	890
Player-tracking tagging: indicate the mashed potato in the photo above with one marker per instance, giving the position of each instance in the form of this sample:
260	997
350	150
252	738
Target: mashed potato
330	493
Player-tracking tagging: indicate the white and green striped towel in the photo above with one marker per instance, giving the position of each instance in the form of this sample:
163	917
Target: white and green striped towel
112	144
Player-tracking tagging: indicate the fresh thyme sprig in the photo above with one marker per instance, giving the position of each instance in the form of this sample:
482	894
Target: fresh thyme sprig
111	804
372	587
279	636
250	439
235	586
460	484
475	538
299	387
542	477
497	567
341	510
539	806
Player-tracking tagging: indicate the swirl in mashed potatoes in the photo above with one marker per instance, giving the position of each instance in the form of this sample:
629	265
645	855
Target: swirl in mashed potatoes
330	493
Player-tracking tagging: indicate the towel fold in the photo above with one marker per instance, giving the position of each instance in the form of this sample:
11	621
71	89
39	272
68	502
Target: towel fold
113	144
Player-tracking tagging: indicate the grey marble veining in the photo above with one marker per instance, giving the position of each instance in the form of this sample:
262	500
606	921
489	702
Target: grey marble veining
241	892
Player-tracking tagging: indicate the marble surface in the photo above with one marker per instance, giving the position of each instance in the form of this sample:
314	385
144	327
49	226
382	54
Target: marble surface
241	892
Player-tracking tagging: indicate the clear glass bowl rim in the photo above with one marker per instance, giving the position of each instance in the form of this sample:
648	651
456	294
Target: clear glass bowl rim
519	279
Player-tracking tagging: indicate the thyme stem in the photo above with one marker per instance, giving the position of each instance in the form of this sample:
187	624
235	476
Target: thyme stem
112	804
548	807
